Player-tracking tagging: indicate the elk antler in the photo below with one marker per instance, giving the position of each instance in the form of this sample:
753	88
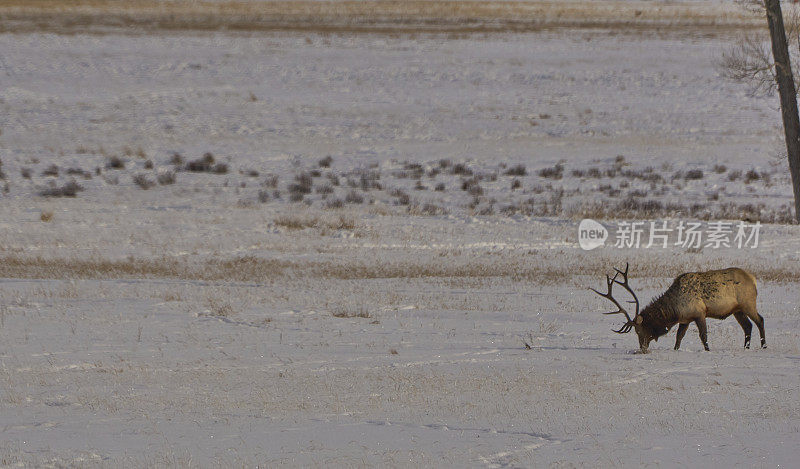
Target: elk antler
627	286
610	281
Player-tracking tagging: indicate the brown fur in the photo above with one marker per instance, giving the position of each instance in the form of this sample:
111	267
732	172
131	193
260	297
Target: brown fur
695	296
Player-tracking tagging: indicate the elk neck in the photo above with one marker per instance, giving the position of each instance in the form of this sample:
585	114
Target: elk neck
660	314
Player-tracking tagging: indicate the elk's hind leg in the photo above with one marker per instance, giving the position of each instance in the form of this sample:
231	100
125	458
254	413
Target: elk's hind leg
681	332
746	325
751	312
701	325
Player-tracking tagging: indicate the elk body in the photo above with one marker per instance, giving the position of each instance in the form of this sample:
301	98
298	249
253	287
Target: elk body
692	297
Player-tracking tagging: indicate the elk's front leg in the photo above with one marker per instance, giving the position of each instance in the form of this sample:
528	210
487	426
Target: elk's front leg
681	332
701	326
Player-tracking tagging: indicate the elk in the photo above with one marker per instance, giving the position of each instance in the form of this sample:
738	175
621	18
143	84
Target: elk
692	297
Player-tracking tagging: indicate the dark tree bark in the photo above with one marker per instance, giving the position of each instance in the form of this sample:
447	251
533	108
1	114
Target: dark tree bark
788	95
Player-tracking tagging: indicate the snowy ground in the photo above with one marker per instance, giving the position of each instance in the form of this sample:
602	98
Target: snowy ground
212	321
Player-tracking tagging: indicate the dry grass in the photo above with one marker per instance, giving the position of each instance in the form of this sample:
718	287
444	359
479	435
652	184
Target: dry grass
323	223
543	270
143	16
345	312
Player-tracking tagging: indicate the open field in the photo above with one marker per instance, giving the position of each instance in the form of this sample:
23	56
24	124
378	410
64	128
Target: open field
309	247
453	16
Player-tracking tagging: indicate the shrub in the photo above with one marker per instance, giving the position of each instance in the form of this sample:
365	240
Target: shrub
518	170
334	203
51	170
176	159
166	177
148	164
439	187
70	189
326	162
402	197
220	168
369	180
342	312
556	172
516	184
143	181
302	185
461	169
263	196
751	175
115	162
271	180
414	170
353	197
693	174
201	165
325	189
79	172
25	172
472	187
720	168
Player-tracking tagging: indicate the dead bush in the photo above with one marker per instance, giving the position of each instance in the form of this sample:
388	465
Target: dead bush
79	172
460	169
69	189
350	312
201	165
693	174
518	170
472	187
556	172
325	189
334	203
143	181
353	197
166	177
402	197
51	170
115	162
751	175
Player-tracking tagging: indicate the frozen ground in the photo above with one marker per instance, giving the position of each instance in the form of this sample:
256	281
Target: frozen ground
208	322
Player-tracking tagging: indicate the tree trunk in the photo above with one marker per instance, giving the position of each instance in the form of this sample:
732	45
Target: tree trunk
788	94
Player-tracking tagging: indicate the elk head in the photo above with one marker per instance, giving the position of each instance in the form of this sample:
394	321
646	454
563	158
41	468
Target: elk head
637	322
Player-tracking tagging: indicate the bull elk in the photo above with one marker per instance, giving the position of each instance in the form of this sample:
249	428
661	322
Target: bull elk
692	297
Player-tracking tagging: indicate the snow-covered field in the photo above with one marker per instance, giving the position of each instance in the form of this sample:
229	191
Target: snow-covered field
278	307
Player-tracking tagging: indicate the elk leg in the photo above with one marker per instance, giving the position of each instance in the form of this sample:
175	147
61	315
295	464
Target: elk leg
751	312
701	326
760	325
746	325
681	331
